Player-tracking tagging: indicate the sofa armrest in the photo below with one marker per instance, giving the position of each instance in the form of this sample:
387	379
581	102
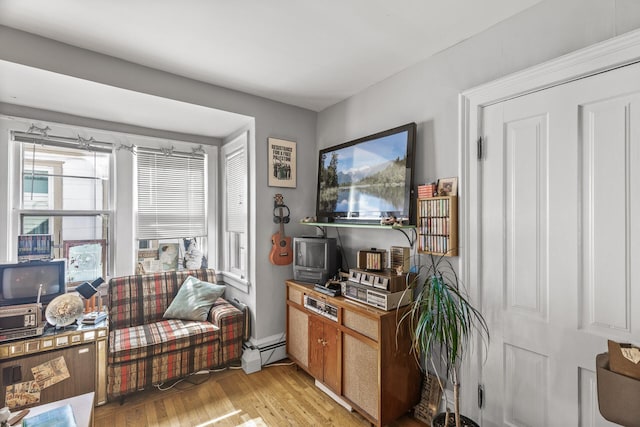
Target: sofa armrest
230	320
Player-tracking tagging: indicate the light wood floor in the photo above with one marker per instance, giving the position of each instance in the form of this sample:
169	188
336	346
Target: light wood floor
274	396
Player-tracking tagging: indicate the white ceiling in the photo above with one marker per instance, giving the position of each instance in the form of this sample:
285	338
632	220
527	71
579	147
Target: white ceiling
311	54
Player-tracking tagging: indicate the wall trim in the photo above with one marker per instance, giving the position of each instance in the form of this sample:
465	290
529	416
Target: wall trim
233	281
598	58
272	348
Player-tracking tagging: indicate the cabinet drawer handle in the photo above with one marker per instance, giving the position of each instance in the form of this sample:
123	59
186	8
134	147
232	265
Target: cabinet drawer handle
320	341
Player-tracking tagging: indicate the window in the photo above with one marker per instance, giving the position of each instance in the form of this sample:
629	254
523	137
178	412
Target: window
36	190
65	193
167	202
234	166
172	200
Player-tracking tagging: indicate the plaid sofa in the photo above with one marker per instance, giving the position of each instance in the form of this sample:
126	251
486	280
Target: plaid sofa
145	349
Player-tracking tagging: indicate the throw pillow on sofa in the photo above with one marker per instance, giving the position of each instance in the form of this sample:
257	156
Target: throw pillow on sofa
194	300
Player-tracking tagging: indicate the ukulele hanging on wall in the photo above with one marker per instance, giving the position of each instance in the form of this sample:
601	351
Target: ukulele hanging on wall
281	253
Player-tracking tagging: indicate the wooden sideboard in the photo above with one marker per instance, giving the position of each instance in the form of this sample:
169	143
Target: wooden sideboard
84	349
358	354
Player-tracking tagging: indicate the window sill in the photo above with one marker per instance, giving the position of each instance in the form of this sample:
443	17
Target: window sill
234	281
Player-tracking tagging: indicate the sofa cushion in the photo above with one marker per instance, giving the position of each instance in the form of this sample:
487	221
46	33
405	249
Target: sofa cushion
164	336
194	300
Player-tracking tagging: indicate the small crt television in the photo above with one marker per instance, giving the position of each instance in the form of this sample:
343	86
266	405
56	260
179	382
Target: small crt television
19	283
315	259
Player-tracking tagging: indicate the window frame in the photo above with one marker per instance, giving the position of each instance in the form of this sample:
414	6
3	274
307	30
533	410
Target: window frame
235	277
18	211
121	233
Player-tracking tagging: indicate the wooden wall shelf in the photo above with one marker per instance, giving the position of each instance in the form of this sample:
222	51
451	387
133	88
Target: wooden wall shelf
437	227
401	228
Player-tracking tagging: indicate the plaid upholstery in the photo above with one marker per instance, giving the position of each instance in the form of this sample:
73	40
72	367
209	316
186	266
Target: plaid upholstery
140	299
159	337
226	317
127	377
145	349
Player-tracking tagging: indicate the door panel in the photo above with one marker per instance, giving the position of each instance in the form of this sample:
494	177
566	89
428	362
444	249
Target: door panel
526	376
558	235
608	183
526	206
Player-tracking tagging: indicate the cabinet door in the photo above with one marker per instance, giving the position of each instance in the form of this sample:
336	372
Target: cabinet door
324	352
298	336
360	375
79	360
331	357
316	346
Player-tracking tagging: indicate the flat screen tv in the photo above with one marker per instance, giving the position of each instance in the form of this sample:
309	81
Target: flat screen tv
368	179
19	283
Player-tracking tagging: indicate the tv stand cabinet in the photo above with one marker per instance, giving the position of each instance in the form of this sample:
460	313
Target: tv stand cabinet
355	356
84	349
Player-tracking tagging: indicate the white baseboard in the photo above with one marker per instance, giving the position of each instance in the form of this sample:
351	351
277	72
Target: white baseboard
271	348
334	396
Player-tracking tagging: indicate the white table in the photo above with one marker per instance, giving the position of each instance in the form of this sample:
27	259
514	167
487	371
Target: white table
82	406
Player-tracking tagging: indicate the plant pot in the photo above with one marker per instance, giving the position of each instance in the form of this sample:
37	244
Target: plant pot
438	420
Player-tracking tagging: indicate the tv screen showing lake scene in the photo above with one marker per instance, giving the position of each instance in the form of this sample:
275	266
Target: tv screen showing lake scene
368	179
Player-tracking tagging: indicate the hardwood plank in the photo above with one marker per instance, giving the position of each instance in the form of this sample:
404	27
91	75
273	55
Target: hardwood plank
274	396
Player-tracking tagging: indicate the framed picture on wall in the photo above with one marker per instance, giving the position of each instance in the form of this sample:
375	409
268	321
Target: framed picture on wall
282	163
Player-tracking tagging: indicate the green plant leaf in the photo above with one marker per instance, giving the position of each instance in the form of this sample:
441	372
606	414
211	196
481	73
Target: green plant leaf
442	318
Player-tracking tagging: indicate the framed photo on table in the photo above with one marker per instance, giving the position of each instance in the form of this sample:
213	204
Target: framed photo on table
86	259
282	163
448	187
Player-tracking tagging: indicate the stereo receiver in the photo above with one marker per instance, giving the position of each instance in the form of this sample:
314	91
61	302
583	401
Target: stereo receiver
20	316
321	307
380	299
384	280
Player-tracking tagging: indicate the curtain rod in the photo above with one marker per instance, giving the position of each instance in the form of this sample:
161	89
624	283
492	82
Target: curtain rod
99	146
197	152
62	141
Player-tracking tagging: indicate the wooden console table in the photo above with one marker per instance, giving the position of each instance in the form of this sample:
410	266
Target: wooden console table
84	349
354	352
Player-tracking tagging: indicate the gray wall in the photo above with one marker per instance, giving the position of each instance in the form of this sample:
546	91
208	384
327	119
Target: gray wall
427	93
272	119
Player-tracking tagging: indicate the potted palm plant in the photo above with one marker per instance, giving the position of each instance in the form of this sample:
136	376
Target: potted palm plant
442	321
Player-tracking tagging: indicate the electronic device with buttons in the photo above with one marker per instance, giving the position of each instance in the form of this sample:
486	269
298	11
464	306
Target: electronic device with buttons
21	321
321	307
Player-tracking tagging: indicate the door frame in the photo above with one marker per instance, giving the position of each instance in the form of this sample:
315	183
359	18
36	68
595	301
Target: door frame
604	56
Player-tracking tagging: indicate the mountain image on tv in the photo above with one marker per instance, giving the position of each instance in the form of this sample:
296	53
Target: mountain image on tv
368	178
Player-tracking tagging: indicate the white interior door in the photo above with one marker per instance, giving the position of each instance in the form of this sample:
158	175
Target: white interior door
560	229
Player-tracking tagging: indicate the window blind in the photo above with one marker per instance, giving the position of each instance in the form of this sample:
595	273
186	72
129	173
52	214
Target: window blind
171	196
236	191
